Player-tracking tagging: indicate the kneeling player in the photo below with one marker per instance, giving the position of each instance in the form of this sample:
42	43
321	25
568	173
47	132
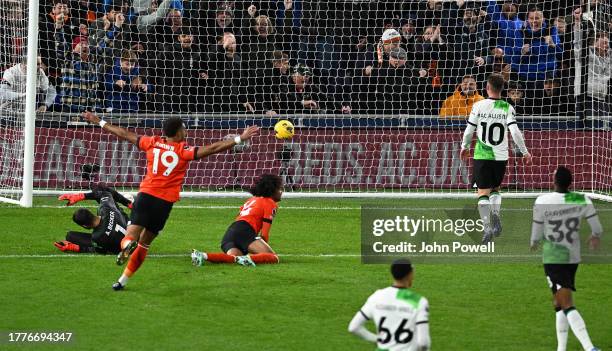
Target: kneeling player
109	225
556	221
242	236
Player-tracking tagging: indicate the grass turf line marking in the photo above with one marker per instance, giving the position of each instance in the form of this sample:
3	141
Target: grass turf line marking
281	255
225	207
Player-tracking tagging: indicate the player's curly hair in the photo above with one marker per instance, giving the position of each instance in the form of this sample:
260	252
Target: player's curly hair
266	185
172	125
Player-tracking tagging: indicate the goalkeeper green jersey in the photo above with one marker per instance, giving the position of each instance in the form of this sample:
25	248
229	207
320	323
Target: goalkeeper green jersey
492	119
556	221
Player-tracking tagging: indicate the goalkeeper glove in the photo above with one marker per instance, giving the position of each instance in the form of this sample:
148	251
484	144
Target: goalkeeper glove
67	246
72	198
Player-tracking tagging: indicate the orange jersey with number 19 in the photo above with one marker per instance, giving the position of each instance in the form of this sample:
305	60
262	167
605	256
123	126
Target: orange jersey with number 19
166	166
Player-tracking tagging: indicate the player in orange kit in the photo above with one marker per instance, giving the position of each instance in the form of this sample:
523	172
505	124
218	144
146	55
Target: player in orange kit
167	160
255	217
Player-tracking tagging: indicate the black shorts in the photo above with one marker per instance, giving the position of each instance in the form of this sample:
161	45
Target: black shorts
489	174
150	212
239	235
560	276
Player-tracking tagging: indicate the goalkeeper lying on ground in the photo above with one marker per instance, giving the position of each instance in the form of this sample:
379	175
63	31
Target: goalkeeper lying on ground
109	225
242	237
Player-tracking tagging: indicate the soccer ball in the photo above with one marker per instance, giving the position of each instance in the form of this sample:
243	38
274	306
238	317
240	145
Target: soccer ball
284	129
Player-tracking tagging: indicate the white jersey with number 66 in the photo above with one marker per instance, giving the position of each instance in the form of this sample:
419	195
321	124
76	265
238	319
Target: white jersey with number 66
397	312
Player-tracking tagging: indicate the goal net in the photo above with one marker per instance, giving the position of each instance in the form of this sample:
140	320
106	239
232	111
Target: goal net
379	91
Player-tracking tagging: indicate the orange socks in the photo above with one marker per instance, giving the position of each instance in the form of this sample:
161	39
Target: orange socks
136	260
220	258
257	258
264	258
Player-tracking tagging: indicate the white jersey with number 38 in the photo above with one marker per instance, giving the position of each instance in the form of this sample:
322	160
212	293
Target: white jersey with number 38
556	221
396	313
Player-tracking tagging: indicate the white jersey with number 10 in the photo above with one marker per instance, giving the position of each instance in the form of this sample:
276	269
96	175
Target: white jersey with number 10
492	119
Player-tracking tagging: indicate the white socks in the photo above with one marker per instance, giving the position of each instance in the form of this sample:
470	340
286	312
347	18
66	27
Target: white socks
123	280
562	328
578	328
484	209
495	200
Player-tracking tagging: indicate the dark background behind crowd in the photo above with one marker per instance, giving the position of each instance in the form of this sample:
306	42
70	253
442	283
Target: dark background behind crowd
281	57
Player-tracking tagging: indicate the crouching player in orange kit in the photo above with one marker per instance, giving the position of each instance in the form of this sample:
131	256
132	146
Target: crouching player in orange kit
167	161
242	236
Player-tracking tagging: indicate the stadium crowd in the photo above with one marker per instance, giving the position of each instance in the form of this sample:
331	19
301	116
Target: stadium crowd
427	57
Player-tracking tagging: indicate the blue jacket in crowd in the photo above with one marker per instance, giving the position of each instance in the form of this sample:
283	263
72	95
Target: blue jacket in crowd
123	99
541	58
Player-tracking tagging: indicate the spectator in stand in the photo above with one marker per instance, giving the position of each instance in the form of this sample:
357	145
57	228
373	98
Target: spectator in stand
552	100
565	41
289	20
506	22
56	31
470	43
79	87
600	70
258	46
495	62
536	47
320	33
577	26
167	31
390	39
223	22
124	85
460	103
183	73
110	35
409	34
432	13
149	13
304	97
276	84
228	78
84	11
14	87
515	96
431	55
392	87
82	36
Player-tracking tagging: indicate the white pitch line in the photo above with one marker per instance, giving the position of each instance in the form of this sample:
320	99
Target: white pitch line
291	255
156	255
332	208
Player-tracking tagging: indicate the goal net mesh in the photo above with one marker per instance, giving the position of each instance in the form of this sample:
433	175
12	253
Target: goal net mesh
379	91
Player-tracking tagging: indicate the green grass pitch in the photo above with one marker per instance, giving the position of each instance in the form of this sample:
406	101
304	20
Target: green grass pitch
304	303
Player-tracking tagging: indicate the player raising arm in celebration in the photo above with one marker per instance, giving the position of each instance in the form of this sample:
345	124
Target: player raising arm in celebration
556	221
242	237
167	160
401	315
491	118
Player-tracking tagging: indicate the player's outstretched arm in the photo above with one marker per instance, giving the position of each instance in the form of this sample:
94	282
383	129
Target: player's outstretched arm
122	133
223	145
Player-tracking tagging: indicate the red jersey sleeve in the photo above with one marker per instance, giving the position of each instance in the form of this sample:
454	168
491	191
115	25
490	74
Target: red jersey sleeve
187	153
145	142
